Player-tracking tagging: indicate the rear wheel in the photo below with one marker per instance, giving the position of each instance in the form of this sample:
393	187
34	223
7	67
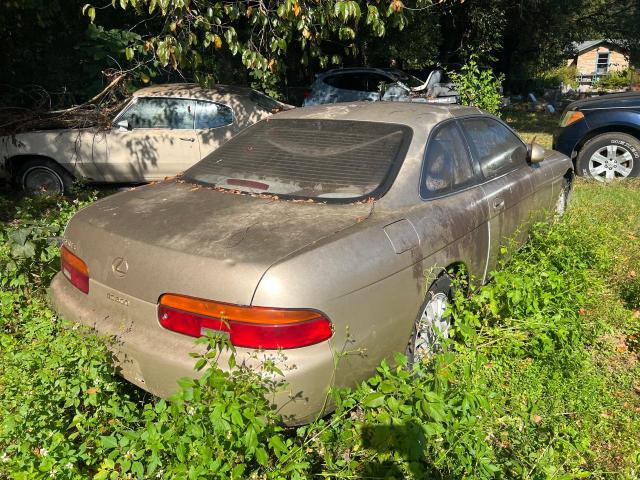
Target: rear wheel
610	156
431	323
43	177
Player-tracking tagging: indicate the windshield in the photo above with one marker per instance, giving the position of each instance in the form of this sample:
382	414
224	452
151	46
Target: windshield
409	80
265	102
311	159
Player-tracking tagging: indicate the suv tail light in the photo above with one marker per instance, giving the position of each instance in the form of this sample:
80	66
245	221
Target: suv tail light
252	327
74	269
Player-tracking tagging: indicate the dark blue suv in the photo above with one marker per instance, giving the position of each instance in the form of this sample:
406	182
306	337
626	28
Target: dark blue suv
602	136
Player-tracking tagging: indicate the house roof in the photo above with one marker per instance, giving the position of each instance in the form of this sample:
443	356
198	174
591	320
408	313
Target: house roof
588	44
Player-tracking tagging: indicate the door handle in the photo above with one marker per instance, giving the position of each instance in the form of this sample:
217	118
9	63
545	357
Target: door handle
187	139
498	202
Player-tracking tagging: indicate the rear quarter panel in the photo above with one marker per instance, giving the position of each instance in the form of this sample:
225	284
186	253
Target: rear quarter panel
369	292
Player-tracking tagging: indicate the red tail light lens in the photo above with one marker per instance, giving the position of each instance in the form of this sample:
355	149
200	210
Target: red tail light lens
74	269
251	327
306	93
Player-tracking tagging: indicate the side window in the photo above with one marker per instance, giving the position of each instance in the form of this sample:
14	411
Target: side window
447	164
497	148
160	113
212	115
374	80
348	81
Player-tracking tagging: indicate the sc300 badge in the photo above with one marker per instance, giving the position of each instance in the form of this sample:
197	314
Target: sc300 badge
117	299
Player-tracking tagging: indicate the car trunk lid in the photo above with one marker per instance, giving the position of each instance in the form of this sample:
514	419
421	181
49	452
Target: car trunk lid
180	238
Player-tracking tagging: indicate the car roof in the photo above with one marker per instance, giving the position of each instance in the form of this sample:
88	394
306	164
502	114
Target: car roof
193	91
416	115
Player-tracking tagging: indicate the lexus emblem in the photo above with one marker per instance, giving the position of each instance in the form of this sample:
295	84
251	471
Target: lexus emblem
120	267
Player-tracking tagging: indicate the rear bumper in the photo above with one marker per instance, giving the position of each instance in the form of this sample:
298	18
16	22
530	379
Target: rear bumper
154	358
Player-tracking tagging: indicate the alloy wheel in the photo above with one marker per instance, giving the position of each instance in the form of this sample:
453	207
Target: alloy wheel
611	162
432	326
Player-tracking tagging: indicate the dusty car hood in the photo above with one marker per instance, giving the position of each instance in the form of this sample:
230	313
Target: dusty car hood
178	238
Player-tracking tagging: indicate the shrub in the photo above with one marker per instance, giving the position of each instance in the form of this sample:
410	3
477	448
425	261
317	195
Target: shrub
561	75
617	80
480	88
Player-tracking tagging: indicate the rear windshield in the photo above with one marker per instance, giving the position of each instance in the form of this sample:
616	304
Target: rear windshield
317	159
269	104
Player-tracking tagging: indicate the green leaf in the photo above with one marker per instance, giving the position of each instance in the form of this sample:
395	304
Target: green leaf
261	456
373	400
137	469
109	442
277	444
200	364
251	439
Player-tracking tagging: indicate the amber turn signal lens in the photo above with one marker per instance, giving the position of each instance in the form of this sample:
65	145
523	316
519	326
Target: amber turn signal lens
570	117
227	311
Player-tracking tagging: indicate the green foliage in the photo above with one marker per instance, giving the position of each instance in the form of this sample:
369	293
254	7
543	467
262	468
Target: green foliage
617	80
554	77
260	34
537	382
478	87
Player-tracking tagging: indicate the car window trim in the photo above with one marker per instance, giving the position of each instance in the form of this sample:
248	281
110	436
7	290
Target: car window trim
135	101
477	179
195	115
476	160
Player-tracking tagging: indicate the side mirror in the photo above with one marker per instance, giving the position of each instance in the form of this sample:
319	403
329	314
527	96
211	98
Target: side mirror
123	125
536	153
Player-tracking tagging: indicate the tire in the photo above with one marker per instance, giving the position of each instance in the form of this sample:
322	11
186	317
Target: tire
43	177
425	339
565	195
609	156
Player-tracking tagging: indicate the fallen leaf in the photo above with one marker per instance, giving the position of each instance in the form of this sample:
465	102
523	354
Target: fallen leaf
536	419
582	311
635	314
622	347
92	390
636	388
606	415
632	274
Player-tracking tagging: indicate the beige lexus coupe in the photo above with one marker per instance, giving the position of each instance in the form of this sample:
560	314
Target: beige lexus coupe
315	231
161	131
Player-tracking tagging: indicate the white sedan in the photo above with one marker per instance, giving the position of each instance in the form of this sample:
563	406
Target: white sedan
162	131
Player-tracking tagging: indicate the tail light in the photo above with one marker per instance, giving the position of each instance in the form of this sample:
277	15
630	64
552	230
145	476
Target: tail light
74	269
306	93
252	327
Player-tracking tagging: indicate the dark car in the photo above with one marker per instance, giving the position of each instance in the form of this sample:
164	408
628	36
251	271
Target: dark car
602	136
373	84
